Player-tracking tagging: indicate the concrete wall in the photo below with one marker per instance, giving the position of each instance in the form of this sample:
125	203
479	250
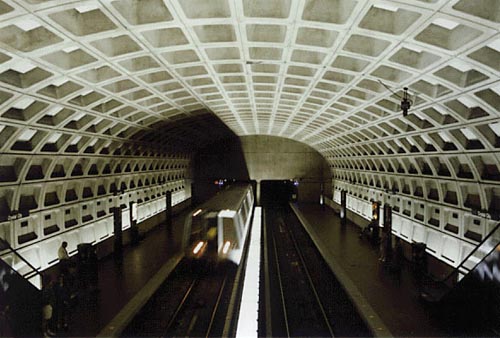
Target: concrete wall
259	157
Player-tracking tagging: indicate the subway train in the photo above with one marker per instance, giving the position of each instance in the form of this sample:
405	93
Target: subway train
219	226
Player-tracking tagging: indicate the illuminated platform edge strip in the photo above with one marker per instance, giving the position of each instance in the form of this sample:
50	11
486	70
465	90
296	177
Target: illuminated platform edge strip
249	308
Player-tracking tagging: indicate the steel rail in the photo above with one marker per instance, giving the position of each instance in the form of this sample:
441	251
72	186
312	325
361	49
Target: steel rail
216	307
267	279
311	283
181	304
283	302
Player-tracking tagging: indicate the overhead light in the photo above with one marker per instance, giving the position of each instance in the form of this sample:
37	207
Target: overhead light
405	102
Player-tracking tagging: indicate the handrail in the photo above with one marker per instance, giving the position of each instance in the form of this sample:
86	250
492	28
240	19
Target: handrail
4	243
470	254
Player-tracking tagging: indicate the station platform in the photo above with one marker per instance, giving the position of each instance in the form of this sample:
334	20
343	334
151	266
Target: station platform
125	285
389	303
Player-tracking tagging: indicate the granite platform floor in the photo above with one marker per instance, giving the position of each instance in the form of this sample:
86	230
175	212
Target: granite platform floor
394	298
120	280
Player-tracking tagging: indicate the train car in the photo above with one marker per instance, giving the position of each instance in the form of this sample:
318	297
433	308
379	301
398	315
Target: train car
219	226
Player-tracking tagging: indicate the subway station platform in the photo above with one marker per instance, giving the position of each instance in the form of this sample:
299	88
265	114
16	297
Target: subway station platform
389	302
125	285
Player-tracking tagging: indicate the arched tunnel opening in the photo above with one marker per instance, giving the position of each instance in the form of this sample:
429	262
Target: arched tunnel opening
278	192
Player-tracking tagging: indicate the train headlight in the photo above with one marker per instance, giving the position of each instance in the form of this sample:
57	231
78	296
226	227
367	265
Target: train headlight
225	249
198	247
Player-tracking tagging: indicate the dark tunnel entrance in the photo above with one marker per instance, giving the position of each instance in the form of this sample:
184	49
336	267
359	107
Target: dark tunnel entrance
277	192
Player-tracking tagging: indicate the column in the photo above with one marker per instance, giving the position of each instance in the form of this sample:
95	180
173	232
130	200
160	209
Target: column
134	229
168	211
388	228
117	227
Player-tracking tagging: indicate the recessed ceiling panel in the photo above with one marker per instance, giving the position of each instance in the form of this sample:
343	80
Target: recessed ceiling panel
329	73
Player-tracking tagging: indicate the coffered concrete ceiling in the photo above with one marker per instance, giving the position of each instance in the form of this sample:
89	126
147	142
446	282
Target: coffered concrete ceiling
88	77
318	71
103	96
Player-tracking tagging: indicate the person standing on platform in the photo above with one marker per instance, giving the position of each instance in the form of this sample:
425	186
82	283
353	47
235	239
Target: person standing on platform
62	299
48	301
63	256
62	253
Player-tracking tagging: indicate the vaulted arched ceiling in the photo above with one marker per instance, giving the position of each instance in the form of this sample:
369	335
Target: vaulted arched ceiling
90	77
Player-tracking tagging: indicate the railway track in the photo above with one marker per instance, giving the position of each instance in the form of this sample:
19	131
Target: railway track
302	310
193	301
196	313
338	305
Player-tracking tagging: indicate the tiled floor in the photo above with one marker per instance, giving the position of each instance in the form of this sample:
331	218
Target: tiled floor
395	300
